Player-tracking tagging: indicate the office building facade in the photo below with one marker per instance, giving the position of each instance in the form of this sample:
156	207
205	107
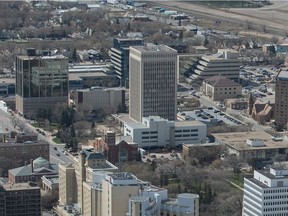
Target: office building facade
155	131
20	200
281	99
152	82
120	57
266	193
41	82
225	63
110	100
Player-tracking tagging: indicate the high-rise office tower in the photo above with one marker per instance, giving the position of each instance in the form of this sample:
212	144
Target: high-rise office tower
152	82
41	81
281	99
120	57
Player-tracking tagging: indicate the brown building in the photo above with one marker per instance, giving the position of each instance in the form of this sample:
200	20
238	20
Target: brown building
252	144
281	99
219	88
16	153
115	147
237	104
21	200
262	111
26	137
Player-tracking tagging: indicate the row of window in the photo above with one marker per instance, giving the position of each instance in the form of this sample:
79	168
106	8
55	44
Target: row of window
220	89
276	203
186	130
276	191
276	197
186	135
151	132
276	209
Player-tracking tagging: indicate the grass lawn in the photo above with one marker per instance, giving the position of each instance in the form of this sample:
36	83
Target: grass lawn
56	140
35	124
238	180
227	4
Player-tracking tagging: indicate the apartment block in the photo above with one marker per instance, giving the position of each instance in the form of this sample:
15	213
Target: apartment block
22	199
266	193
281	99
152	82
155	131
95	98
41	81
120	56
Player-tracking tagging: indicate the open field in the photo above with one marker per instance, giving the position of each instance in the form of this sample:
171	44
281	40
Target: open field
274	17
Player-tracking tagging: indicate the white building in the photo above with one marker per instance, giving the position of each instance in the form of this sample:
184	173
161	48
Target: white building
151	203
266	194
155	131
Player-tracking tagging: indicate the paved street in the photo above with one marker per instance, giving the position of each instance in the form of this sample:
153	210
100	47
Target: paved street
5	122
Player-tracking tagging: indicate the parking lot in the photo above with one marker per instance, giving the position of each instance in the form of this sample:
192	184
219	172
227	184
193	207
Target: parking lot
211	115
259	80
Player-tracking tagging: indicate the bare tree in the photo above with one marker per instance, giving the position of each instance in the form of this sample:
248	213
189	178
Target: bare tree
15	120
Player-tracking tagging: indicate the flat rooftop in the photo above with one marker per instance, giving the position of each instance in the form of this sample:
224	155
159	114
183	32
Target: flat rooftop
7	80
26	57
122	176
19	186
255	181
154	48
283	75
78	76
28	143
124	118
97	88
188	123
237	140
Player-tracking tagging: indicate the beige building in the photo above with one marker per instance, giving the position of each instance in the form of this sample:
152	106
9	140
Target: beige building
225	63
117	188
281	101
41	82
152	82
236	103
95	98
219	88
93	188
67	181
74	181
185	63
257	144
